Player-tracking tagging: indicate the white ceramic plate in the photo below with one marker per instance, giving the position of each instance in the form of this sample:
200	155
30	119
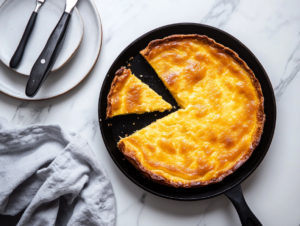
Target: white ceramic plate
14	15
73	72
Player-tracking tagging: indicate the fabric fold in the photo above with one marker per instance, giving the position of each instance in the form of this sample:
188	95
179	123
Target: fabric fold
54	176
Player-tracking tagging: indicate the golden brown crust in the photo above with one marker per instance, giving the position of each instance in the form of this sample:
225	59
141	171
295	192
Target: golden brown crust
120	78
147	173
256	136
129	95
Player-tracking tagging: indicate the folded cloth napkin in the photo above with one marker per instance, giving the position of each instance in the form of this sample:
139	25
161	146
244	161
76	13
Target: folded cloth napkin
54	176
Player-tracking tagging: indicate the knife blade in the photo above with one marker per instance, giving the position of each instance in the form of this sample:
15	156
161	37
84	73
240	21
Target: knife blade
18	55
48	56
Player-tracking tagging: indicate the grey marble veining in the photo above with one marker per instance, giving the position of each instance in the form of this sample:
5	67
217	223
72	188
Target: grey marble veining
201	218
120	15
142	200
221	12
25	114
291	70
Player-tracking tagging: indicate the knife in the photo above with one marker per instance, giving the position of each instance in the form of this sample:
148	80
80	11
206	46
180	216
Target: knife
47	58
17	57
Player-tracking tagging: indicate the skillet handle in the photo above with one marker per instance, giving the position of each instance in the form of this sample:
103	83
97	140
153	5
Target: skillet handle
246	216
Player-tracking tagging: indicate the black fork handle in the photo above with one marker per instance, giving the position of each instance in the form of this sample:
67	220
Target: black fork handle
18	55
246	215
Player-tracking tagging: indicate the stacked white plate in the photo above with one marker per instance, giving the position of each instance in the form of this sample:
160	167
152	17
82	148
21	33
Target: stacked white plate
77	57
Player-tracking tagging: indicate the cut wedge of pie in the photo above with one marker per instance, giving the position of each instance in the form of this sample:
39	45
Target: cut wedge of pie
129	95
219	125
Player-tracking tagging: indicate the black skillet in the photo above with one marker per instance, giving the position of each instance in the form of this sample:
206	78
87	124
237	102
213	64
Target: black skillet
113	129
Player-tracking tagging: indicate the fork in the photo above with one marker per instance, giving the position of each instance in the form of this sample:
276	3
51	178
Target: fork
18	55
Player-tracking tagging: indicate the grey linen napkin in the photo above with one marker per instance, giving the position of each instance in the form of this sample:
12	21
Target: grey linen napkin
54	176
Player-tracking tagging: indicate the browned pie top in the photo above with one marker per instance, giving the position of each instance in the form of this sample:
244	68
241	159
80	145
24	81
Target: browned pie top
221	120
130	95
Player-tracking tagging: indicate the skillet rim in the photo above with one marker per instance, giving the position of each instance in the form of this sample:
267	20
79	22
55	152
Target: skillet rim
272	100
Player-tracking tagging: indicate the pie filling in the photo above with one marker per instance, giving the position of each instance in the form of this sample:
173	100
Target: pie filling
220	122
129	95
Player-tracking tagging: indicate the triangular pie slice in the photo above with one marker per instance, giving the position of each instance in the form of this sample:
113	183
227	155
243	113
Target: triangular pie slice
220	124
129	95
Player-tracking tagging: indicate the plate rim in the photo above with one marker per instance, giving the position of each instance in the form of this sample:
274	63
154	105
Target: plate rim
83	78
270	138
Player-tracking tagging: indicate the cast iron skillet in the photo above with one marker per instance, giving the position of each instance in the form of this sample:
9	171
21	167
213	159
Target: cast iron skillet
113	129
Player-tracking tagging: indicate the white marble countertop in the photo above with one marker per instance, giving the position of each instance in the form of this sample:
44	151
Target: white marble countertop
271	30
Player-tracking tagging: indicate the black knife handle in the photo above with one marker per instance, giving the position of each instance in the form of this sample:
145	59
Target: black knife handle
246	216
47	58
17	57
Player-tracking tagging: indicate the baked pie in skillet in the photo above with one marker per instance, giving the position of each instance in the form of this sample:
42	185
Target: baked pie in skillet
220	121
129	95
